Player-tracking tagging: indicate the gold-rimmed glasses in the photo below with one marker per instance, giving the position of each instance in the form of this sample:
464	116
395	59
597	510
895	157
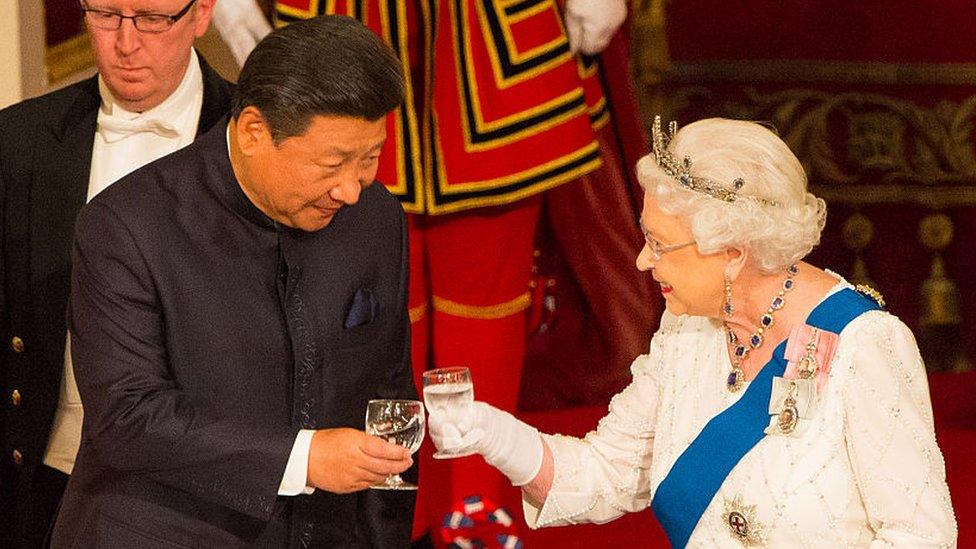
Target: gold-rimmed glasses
658	249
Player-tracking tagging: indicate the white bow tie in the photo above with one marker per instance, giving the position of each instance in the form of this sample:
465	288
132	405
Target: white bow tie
114	128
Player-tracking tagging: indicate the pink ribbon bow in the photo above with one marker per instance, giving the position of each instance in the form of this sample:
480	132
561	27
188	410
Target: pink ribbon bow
803	340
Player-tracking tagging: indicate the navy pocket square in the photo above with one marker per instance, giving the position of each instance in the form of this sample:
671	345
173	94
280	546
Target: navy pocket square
362	310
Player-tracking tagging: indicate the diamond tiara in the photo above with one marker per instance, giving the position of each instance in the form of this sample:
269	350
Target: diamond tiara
681	171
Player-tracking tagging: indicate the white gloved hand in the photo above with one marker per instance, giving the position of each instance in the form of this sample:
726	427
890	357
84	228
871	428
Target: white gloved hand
507	444
241	24
590	24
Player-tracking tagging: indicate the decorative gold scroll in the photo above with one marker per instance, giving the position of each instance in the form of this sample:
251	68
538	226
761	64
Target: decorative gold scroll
68	57
909	153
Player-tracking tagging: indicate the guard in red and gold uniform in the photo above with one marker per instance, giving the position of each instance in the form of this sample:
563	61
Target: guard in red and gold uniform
500	109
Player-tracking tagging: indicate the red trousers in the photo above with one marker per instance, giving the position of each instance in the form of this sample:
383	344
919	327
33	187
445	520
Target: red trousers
469	291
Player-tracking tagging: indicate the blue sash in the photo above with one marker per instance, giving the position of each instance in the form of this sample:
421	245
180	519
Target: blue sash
699	472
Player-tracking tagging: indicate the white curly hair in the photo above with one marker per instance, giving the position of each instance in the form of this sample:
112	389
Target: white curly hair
722	150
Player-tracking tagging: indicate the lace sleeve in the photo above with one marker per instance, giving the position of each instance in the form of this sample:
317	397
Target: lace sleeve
890	438
605	474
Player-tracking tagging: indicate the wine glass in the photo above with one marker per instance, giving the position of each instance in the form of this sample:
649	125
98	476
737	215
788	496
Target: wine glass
400	422
446	391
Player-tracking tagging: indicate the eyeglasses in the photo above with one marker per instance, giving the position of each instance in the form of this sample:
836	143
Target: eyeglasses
152	23
657	249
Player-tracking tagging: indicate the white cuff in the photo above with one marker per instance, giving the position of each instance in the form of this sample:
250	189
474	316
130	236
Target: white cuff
295	479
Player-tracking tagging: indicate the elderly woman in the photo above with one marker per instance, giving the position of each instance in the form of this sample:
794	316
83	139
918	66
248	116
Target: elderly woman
777	405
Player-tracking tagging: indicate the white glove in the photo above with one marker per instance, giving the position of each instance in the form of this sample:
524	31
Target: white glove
590	24
507	444
241	24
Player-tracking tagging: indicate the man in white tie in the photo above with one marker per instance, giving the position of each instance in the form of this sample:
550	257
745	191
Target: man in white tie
152	96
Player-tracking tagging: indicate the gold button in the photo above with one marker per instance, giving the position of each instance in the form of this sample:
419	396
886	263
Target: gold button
15	397
17	344
18	457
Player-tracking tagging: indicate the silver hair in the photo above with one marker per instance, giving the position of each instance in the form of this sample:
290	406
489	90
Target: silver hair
723	150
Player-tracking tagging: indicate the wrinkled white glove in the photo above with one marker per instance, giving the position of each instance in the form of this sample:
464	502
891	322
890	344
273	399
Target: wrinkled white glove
241	24
507	444
590	24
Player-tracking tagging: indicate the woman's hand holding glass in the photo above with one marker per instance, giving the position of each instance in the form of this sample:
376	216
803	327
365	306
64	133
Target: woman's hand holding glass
507	444
449	393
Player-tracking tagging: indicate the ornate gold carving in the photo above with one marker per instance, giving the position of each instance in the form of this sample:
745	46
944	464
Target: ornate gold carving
876	141
919	155
940	296
795	71
857	233
935	231
68	57
929	197
650	58
940	336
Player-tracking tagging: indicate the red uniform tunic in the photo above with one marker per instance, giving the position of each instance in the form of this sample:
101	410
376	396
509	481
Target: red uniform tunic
497	111
499	108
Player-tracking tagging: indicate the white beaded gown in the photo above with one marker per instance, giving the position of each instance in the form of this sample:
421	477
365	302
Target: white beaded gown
866	472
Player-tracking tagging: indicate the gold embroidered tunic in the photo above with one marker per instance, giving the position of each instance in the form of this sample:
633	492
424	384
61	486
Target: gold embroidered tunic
498	108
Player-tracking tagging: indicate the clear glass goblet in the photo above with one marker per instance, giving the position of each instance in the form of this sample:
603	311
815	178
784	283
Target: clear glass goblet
400	422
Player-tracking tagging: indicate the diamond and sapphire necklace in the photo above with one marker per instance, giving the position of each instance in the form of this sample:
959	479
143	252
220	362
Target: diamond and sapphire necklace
740	351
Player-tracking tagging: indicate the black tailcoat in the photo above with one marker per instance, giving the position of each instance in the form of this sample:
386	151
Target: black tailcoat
45	162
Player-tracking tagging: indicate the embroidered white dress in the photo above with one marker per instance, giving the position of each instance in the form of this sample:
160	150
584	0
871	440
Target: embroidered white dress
866	471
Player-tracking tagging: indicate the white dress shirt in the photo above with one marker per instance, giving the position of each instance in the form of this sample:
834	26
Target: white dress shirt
867	471
168	127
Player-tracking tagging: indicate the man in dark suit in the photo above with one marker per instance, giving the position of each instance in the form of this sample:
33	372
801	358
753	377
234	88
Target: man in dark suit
152	96
235	305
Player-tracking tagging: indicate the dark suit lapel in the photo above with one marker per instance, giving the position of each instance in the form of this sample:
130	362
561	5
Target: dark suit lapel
62	164
62	167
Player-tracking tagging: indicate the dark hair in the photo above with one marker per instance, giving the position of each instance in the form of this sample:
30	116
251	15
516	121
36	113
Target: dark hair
327	66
